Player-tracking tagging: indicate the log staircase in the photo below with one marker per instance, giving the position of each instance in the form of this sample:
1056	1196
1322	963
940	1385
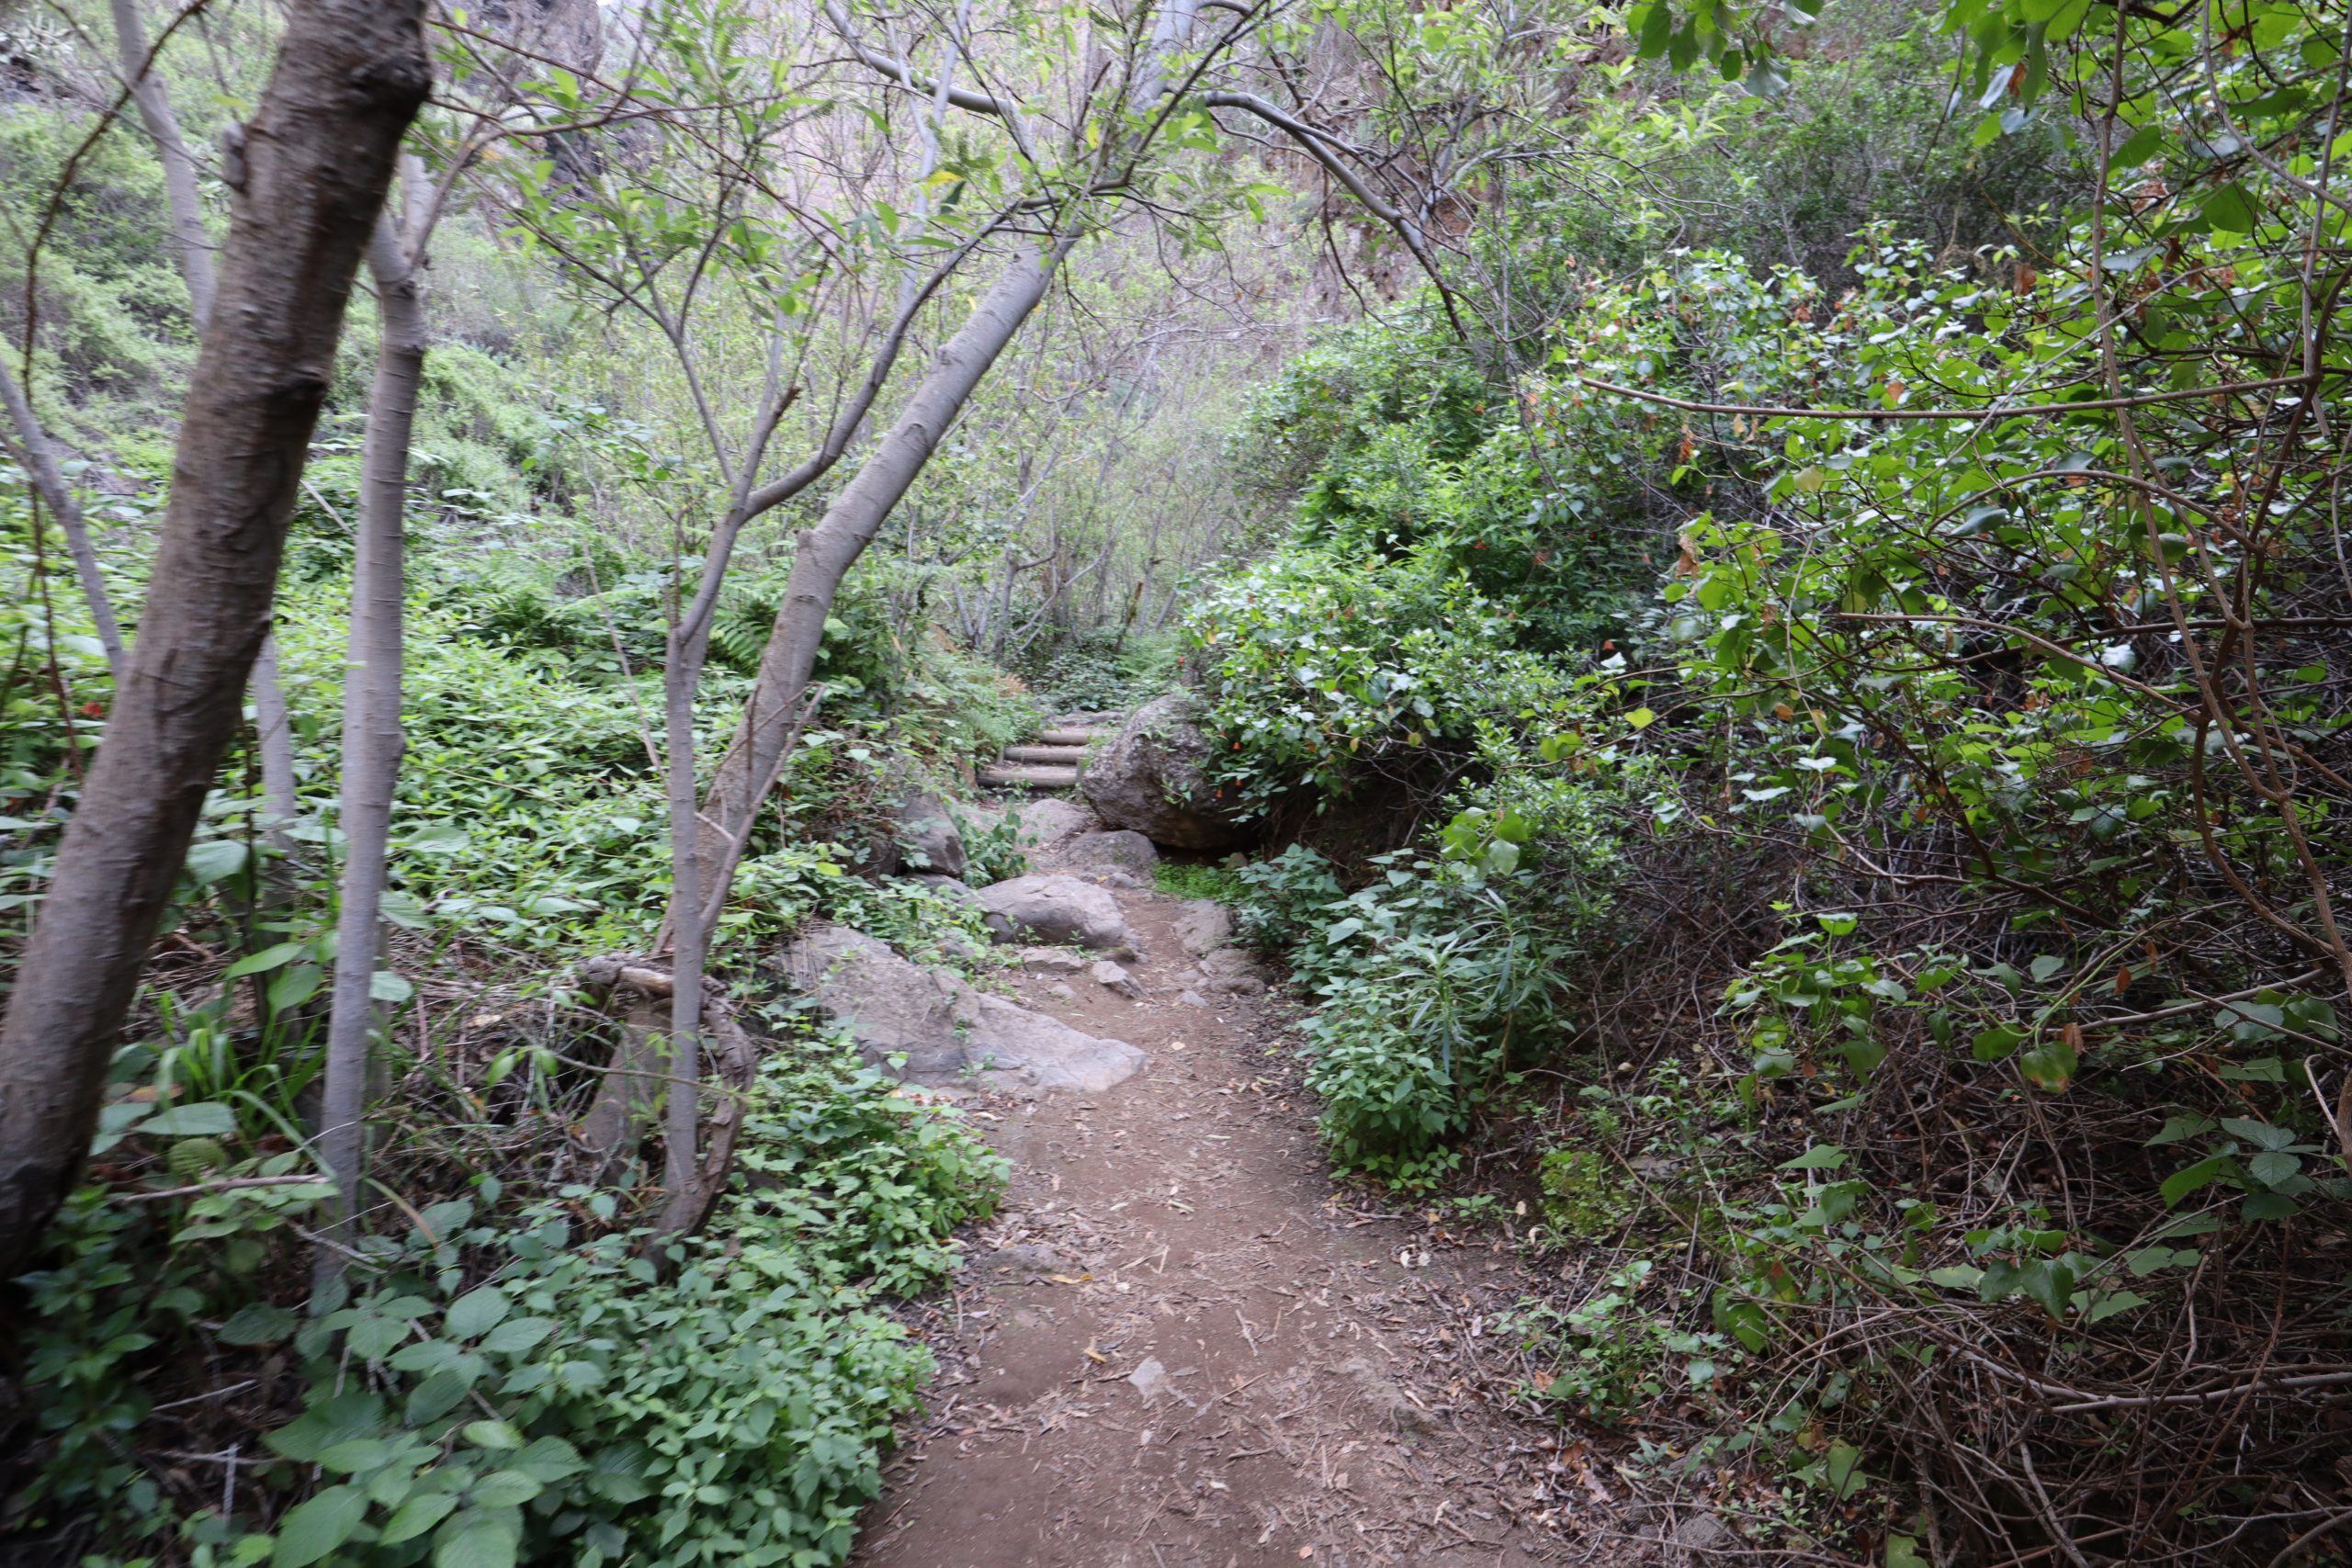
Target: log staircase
1048	762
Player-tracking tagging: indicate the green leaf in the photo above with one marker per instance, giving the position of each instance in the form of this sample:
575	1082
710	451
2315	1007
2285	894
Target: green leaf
478	1312
1642	718
272	957
217	858
492	1434
2181	1183
2115	1302
504	1489
205	1118
297	984
313	1529
325	1424
257	1324
517	1335
549	1460
1823	1157
2049	1284
386	986
478	1538
2229	207
416	1516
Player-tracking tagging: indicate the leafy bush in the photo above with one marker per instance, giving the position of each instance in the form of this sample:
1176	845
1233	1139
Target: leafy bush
499	1386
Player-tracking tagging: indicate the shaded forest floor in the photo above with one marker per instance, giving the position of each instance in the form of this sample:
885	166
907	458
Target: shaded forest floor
1180	1346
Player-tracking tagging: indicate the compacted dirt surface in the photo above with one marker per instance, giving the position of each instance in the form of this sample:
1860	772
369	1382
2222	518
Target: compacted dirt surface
1179	1344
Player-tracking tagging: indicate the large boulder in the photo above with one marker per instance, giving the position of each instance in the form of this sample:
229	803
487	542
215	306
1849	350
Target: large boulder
925	838
890	1005
1152	778
1060	910
1203	925
1124	852
1041	825
948	1033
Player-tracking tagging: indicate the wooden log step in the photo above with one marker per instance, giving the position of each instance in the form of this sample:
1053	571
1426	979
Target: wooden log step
1067	737
1027	775
1060	756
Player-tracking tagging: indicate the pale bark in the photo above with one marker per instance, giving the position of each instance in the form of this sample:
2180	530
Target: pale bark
49	482
827	551
317	159
273	739
371	716
189	238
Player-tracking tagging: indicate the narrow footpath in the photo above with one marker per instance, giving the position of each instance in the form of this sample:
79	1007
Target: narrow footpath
1180	1346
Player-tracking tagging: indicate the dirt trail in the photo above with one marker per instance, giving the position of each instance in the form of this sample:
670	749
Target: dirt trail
1178	1347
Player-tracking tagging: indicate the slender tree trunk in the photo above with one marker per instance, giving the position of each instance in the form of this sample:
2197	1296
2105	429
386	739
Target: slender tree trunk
188	235
371	716
309	178
690	933
830	550
48	483
274	737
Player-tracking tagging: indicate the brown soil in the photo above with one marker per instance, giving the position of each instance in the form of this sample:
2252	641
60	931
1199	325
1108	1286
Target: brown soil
1180	1346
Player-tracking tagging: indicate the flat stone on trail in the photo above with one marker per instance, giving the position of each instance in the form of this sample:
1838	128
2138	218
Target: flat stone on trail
945	1029
1007	1042
1203	925
1052	960
1058	909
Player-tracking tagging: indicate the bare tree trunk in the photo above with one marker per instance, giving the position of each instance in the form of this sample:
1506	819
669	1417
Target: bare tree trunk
188	235
311	178
371	716
830	550
273	727
273	737
48	483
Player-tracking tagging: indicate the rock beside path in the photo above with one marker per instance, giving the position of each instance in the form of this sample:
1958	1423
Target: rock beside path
1152	778
1203	925
1119	853
948	1033
1060	910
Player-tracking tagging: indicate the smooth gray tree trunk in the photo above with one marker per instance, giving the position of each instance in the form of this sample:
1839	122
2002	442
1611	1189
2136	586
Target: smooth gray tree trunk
372	741
189	237
315	162
827	552
48	483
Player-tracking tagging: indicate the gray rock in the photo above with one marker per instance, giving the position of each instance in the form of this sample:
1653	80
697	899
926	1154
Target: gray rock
1110	977
1705	1535
1052	960
927	837
1236	985
1228	960
1059	909
890	1005
1203	925
1151	778
944	1029
1007	1042
1061	992
1122	849
1193	998
1041	824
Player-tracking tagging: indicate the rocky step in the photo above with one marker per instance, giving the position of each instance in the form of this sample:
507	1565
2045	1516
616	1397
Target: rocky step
1066	738
1058	755
1028	775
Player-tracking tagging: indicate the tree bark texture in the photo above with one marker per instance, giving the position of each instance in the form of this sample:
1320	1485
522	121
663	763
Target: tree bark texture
311	178
850	524
371	715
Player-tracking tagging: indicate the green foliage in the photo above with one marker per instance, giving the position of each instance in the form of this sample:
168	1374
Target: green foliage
1197	879
502	1385
1583	1195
